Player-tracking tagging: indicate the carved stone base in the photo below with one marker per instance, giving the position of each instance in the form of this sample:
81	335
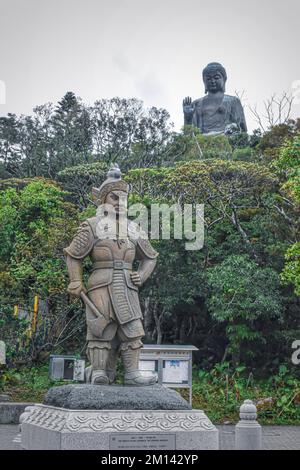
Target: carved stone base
49	427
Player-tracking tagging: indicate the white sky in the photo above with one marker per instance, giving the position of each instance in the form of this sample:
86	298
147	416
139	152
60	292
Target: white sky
151	49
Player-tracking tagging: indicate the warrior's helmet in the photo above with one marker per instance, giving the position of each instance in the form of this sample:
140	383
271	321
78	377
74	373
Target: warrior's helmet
113	182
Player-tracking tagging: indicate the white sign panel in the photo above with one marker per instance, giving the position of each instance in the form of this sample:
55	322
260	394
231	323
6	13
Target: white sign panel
176	371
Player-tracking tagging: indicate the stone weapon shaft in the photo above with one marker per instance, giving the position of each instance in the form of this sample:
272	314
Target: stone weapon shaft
90	304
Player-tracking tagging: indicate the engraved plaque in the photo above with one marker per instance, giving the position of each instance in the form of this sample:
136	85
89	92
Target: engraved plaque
147	441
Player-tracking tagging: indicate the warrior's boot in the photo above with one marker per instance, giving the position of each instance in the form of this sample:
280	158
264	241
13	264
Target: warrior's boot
133	375
98	358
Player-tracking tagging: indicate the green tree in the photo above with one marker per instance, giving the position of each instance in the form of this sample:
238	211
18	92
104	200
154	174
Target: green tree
36	224
72	141
10	151
126	132
80	179
288	166
243	295
291	272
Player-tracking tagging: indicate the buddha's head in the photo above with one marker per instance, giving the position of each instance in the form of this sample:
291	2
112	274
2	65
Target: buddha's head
214	77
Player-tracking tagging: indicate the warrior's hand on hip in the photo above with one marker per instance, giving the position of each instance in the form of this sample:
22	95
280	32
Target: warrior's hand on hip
75	288
136	278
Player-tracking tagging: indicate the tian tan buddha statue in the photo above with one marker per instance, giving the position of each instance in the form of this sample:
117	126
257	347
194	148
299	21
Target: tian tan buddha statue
215	113
113	312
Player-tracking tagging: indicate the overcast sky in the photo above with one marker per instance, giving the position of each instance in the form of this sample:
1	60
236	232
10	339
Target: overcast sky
151	49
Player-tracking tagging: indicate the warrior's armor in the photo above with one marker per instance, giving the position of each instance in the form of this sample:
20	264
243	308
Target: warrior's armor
118	328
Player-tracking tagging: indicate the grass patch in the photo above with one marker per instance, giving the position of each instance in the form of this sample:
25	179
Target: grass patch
28	384
221	391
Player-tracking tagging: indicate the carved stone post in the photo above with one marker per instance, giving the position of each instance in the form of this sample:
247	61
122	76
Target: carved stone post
248	430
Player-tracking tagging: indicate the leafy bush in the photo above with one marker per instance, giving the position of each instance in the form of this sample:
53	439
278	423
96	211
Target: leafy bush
222	390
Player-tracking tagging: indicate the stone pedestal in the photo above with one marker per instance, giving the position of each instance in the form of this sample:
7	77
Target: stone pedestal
157	419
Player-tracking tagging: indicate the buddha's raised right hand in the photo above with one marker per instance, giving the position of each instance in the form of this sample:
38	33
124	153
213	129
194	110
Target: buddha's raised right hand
188	107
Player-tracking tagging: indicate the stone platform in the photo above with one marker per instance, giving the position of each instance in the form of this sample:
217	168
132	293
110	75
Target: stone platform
116	418
115	397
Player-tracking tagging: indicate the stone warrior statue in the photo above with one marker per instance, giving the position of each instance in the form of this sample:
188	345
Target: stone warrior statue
215	113
113	312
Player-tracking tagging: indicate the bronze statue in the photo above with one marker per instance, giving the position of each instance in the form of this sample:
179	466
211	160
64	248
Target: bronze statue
113	312
215	113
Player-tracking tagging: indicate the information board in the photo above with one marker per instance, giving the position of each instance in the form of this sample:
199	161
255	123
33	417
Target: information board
176	371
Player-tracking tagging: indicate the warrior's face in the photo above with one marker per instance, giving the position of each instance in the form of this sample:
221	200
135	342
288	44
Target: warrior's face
117	200
214	82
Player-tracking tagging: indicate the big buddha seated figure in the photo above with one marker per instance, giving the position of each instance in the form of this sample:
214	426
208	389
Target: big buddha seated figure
215	113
